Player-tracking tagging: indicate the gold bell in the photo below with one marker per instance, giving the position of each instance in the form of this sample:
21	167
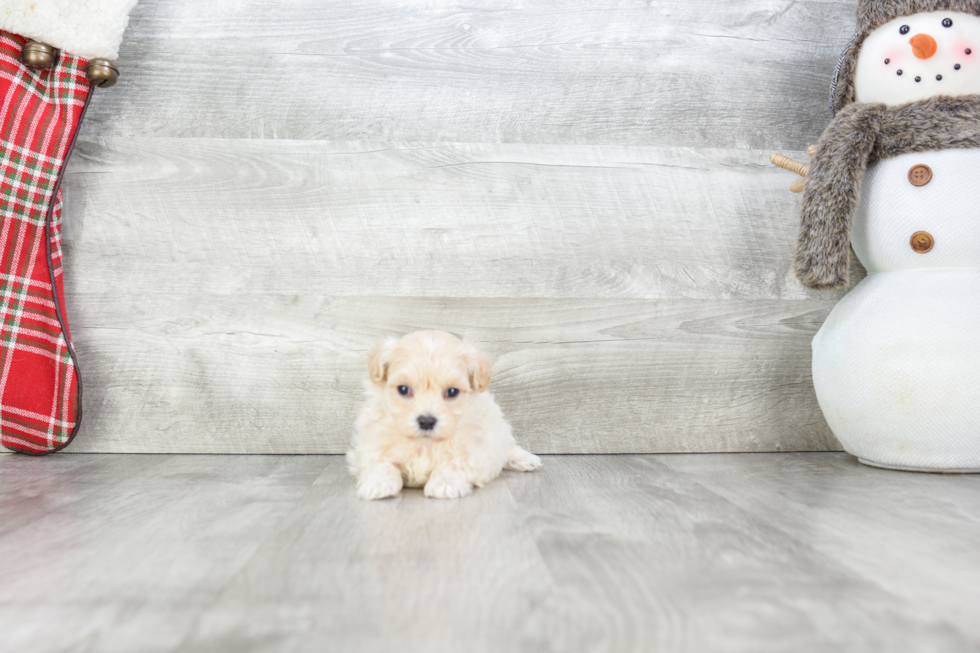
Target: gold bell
39	56
101	72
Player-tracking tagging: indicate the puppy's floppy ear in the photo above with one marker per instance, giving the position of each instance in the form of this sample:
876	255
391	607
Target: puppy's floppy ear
480	367
379	358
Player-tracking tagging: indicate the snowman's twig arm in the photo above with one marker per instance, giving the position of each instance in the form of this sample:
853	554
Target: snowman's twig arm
831	193
787	163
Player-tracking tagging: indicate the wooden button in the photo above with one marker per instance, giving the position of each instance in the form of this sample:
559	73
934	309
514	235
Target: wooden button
920	175
921	241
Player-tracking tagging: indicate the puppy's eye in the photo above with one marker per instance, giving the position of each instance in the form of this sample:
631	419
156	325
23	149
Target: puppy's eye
452	393
403	390
947	22
904	29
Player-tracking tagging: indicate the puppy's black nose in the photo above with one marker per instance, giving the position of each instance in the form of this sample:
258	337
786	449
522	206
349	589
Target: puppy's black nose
427	422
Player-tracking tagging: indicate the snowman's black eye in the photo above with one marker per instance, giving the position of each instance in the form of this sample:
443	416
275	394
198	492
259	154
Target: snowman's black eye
904	29
887	61
947	22
956	67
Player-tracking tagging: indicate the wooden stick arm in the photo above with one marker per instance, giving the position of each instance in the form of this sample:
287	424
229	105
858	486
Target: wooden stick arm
789	164
792	165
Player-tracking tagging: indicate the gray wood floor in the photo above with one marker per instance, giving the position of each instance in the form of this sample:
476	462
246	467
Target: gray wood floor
726	552
582	186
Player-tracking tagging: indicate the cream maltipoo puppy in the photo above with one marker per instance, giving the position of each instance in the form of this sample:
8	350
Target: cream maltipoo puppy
429	421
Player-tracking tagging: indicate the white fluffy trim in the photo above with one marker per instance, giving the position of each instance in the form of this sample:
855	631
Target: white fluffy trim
84	28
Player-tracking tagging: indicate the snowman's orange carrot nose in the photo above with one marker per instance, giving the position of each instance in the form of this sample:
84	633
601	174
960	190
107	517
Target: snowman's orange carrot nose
923	46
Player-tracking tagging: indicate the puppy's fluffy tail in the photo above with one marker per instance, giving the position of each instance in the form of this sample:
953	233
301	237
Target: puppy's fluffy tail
519	460
353	462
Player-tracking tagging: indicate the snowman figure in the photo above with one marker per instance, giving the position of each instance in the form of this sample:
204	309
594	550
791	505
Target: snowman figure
896	176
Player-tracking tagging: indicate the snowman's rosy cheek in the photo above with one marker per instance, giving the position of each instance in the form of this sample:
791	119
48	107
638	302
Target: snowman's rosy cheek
893	57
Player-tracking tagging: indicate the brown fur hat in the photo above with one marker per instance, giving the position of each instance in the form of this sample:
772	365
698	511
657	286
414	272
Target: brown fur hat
872	14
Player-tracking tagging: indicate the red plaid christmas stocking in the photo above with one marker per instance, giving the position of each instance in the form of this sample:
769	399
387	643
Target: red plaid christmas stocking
40	110
44	93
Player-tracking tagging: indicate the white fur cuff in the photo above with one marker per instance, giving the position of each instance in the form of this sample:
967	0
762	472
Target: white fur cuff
84	28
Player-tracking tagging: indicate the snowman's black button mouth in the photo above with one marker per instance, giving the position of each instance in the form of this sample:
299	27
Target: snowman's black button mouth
918	79
939	78
899	72
956	67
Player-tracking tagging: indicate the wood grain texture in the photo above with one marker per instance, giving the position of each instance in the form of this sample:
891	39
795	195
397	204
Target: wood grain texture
227	294
585	188
836	503
458	220
260	373
728	553
693	74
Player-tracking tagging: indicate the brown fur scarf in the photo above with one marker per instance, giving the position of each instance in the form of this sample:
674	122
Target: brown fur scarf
859	135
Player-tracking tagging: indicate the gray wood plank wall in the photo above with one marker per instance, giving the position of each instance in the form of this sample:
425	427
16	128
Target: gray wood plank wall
581	186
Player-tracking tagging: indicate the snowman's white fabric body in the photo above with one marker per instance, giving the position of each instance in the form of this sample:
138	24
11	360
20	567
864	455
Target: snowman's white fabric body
896	365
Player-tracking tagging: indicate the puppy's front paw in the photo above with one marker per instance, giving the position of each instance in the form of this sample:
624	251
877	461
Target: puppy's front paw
379	483
378	489
520	460
447	485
